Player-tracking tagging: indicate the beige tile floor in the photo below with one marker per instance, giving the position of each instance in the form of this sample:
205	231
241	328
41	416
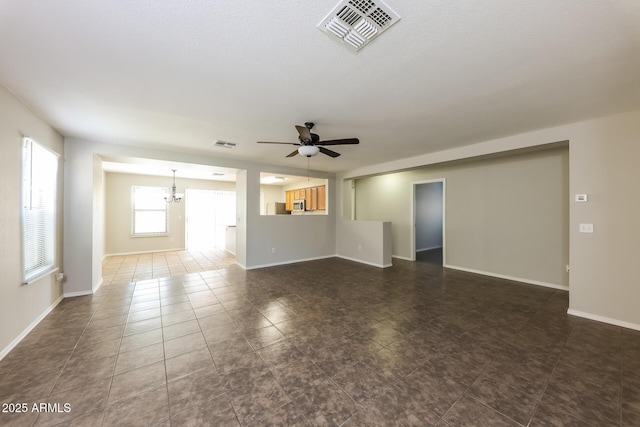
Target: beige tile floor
134	267
325	343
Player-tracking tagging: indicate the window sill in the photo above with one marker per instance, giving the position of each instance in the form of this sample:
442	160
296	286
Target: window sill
40	275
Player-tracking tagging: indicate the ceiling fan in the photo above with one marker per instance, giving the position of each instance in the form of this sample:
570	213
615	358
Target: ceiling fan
310	144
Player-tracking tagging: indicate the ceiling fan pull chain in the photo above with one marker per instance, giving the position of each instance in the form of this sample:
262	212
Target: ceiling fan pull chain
308	166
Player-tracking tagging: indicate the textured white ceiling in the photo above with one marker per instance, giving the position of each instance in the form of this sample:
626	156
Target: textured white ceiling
185	73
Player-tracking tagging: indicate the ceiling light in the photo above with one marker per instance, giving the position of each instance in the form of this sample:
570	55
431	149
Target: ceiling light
173	197
308	150
272	179
357	22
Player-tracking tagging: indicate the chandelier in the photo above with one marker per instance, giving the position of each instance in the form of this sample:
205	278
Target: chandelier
173	197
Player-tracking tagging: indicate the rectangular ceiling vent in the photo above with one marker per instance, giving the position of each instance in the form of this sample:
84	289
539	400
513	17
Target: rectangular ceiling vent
224	144
357	22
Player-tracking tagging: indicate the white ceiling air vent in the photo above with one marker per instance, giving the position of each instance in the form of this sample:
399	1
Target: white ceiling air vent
224	144
357	22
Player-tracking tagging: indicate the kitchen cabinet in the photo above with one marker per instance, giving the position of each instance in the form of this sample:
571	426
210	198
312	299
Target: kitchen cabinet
289	200
307	199
313	204
315	198
322	198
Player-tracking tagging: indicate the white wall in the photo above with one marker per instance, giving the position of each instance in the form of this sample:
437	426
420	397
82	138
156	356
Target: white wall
81	256
21	307
99	222
603	153
272	194
241	218
119	216
311	182
345	203
604	158
368	242
281	239
428	207
256	240
507	216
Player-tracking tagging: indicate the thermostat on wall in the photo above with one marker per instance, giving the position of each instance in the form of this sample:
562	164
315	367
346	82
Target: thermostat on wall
581	197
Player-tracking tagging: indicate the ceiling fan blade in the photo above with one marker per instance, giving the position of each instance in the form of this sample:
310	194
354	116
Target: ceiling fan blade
287	143
328	152
339	141
292	154
305	134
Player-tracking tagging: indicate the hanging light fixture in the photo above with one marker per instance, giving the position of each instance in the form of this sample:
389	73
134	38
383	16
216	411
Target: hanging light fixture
308	150
174	197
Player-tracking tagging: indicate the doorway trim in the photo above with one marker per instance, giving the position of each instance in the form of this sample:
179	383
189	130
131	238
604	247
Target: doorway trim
412	219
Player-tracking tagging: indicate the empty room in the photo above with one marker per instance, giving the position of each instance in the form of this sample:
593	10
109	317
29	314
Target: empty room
330	213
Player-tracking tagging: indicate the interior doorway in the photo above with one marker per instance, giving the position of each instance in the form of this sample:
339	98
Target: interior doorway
428	221
208	213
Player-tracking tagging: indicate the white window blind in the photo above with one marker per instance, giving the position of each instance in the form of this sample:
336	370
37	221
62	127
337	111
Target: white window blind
149	211
39	209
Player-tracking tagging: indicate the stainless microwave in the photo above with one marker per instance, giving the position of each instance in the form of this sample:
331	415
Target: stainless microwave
298	206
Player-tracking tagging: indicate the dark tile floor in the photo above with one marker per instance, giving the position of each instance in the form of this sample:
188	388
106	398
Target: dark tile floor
327	342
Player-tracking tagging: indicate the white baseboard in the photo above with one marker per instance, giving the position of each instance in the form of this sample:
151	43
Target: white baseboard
364	262
314	259
507	277
429	249
604	319
142	252
402	257
29	328
77	294
288	262
95	288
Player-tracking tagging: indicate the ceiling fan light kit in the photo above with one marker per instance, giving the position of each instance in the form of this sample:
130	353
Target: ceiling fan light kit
308	150
358	22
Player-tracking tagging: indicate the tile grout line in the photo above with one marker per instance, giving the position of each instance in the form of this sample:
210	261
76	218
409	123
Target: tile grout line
555	365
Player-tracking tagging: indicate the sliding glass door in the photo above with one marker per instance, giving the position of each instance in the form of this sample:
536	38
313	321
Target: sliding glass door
208	212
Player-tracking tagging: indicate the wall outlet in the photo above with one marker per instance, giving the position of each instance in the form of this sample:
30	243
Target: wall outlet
60	277
273	250
586	228
359	247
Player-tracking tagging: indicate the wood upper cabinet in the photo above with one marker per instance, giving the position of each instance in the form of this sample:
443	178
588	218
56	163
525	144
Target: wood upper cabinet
289	200
313	204
307	199
315	198
322	198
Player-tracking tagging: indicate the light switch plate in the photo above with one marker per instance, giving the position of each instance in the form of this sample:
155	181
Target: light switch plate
586	228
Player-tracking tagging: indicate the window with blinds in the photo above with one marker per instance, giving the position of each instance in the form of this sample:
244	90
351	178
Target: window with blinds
39	210
149	211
